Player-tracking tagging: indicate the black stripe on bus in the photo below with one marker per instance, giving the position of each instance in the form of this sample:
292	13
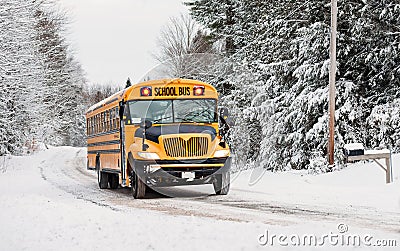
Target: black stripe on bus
109	170
111	101
103	133
113	151
104	143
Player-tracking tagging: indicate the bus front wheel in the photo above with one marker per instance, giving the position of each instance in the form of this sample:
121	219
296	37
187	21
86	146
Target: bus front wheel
138	187
222	183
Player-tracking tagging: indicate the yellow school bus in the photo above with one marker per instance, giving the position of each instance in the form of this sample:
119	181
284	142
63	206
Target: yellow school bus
159	133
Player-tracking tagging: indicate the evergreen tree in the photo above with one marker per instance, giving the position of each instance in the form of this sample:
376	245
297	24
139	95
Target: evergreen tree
280	74
219	17
128	83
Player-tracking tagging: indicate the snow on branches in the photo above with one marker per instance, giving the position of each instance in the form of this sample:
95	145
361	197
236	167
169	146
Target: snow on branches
282	47
40	82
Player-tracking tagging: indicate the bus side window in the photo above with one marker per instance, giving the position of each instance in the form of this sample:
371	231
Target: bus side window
102	122
112	119
92	125
87	126
97	124
115	117
109	120
117	120
106	121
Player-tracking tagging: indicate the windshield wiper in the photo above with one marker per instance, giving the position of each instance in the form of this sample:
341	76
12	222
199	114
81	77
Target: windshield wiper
182	120
176	118
158	120
192	121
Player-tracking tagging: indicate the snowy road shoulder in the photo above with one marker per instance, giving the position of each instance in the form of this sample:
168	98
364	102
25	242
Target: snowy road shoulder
358	185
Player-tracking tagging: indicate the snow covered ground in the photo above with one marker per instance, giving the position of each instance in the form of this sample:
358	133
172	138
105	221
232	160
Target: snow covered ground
50	201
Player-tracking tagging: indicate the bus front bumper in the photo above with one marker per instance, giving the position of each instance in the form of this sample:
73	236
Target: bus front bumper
181	172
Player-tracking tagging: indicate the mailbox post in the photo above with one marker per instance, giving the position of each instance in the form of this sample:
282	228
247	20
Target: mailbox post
354	152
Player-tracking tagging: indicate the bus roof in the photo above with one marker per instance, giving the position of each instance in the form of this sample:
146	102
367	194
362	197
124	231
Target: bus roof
125	93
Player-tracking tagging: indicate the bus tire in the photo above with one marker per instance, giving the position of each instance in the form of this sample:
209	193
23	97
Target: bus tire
222	183
138	187
102	179
113	180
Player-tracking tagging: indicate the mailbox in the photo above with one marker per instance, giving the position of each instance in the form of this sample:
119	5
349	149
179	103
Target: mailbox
354	149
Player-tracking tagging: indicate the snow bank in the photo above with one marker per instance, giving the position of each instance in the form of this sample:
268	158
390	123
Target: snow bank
360	184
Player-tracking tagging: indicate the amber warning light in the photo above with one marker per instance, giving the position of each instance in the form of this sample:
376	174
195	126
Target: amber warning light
198	90
145	91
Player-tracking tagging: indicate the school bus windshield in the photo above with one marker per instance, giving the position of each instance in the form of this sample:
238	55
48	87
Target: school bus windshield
172	111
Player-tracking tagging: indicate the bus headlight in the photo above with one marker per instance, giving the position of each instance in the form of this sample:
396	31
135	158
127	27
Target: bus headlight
221	153
146	155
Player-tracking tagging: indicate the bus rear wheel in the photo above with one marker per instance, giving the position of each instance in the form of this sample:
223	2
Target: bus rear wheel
222	183
113	179
138	187
102	179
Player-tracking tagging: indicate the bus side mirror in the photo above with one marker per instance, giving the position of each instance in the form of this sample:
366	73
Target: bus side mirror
145	124
224	117
121	108
223	113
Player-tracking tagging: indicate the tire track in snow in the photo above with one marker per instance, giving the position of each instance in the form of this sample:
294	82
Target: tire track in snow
57	175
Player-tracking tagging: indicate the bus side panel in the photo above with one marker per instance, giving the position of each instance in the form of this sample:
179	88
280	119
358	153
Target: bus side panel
108	148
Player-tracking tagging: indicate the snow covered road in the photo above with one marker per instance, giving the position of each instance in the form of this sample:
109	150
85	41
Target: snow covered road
49	200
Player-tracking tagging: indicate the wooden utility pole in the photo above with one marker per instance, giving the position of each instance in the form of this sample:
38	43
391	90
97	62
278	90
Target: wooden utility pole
332	80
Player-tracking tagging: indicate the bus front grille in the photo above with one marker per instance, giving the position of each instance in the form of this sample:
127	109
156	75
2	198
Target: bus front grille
193	147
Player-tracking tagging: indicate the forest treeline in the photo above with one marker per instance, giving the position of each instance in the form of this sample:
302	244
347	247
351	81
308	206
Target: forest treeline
274	76
269	60
43	90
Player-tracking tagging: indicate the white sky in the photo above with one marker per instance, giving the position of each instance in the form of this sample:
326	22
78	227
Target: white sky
114	39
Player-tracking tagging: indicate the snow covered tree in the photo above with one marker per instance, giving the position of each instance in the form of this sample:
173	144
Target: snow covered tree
219	17
41	85
184	48
63	81
282	53
95	93
18	73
